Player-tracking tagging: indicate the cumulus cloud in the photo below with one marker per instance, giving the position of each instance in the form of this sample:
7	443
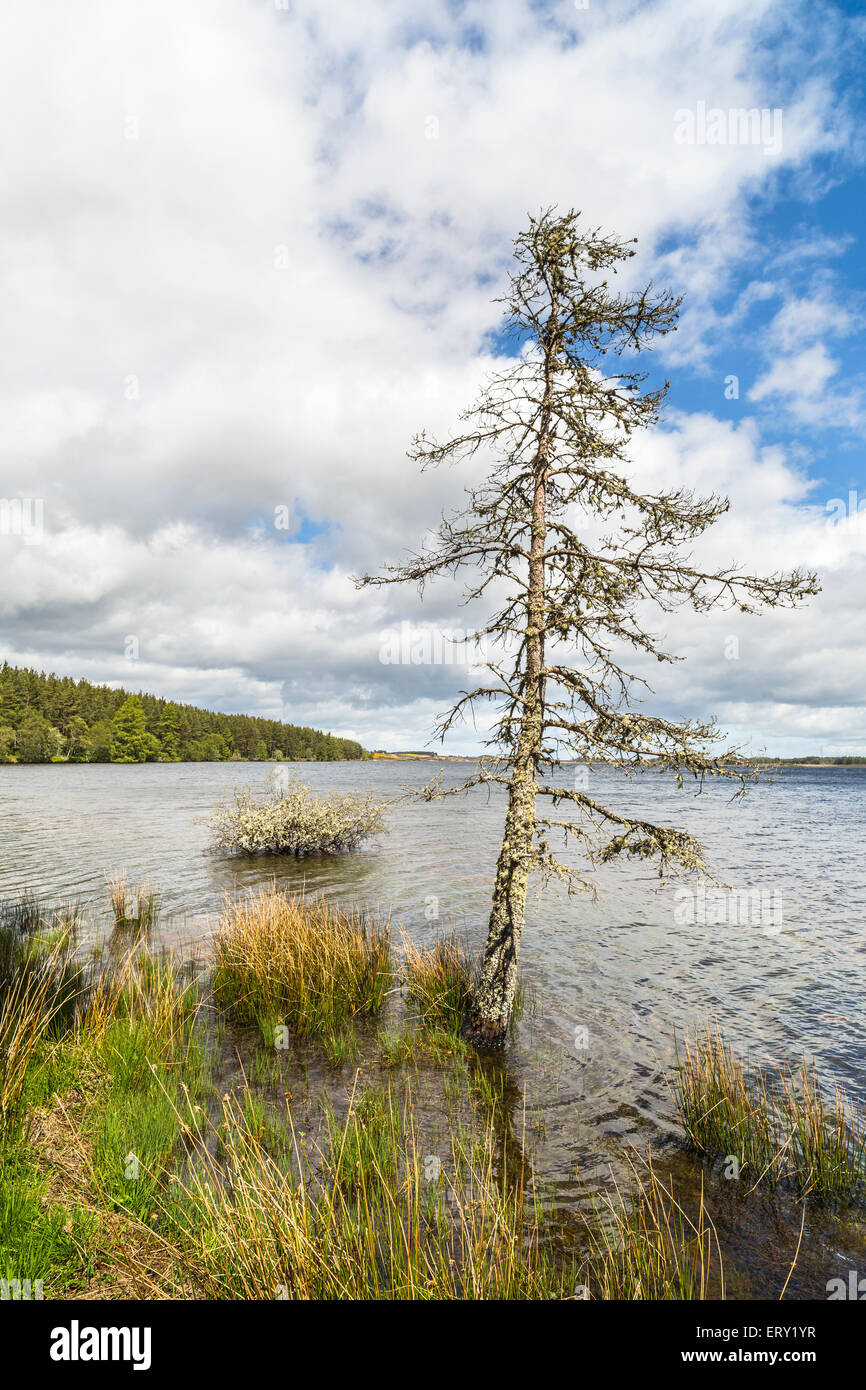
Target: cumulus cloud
801	369
250	251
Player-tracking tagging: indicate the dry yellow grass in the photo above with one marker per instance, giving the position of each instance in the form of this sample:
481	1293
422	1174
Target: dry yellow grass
301	962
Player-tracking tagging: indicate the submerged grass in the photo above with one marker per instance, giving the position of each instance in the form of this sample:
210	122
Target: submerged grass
31	915
136	908
374	1218
644	1245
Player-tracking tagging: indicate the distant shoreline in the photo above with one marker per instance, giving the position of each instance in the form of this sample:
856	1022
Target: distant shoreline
474	757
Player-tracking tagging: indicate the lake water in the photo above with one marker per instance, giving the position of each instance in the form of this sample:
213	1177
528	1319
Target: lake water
781	963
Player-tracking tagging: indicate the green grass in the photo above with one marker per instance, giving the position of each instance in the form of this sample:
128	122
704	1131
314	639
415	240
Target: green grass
157	1069
38	1241
383	1200
364	1150
340	1045
371	1219
133	1141
266	1067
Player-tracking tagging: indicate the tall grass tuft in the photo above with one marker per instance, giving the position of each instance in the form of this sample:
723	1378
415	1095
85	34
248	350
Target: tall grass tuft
24	916
39	978
723	1110
365	1149
132	908
38	997
300	962
783	1130
439	979
827	1139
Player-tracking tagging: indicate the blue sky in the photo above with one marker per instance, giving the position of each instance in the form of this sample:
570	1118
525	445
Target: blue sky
784	227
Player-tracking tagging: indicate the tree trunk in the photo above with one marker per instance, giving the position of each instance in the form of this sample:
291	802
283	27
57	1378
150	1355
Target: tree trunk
493	997
489	1012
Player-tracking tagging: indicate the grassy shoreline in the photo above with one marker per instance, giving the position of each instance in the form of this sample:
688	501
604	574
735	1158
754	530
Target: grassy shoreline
161	1139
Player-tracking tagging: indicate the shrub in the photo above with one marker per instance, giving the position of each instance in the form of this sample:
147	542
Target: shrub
292	819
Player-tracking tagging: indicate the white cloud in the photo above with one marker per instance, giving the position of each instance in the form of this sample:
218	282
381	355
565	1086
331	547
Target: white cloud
166	385
802	368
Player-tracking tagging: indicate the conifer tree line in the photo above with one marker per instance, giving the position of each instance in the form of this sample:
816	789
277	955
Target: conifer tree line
57	719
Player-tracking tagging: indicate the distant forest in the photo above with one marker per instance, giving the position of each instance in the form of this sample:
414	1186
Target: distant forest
51	719
843	760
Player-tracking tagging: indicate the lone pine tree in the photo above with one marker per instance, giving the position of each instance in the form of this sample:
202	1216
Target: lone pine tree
557	422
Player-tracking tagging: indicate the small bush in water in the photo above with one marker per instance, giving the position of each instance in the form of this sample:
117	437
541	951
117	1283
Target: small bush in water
293	819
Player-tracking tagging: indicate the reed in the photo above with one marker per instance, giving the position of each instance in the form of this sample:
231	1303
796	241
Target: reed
366	1149
723	1109
137	908
24	916
827	1137
28	1007
439	979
